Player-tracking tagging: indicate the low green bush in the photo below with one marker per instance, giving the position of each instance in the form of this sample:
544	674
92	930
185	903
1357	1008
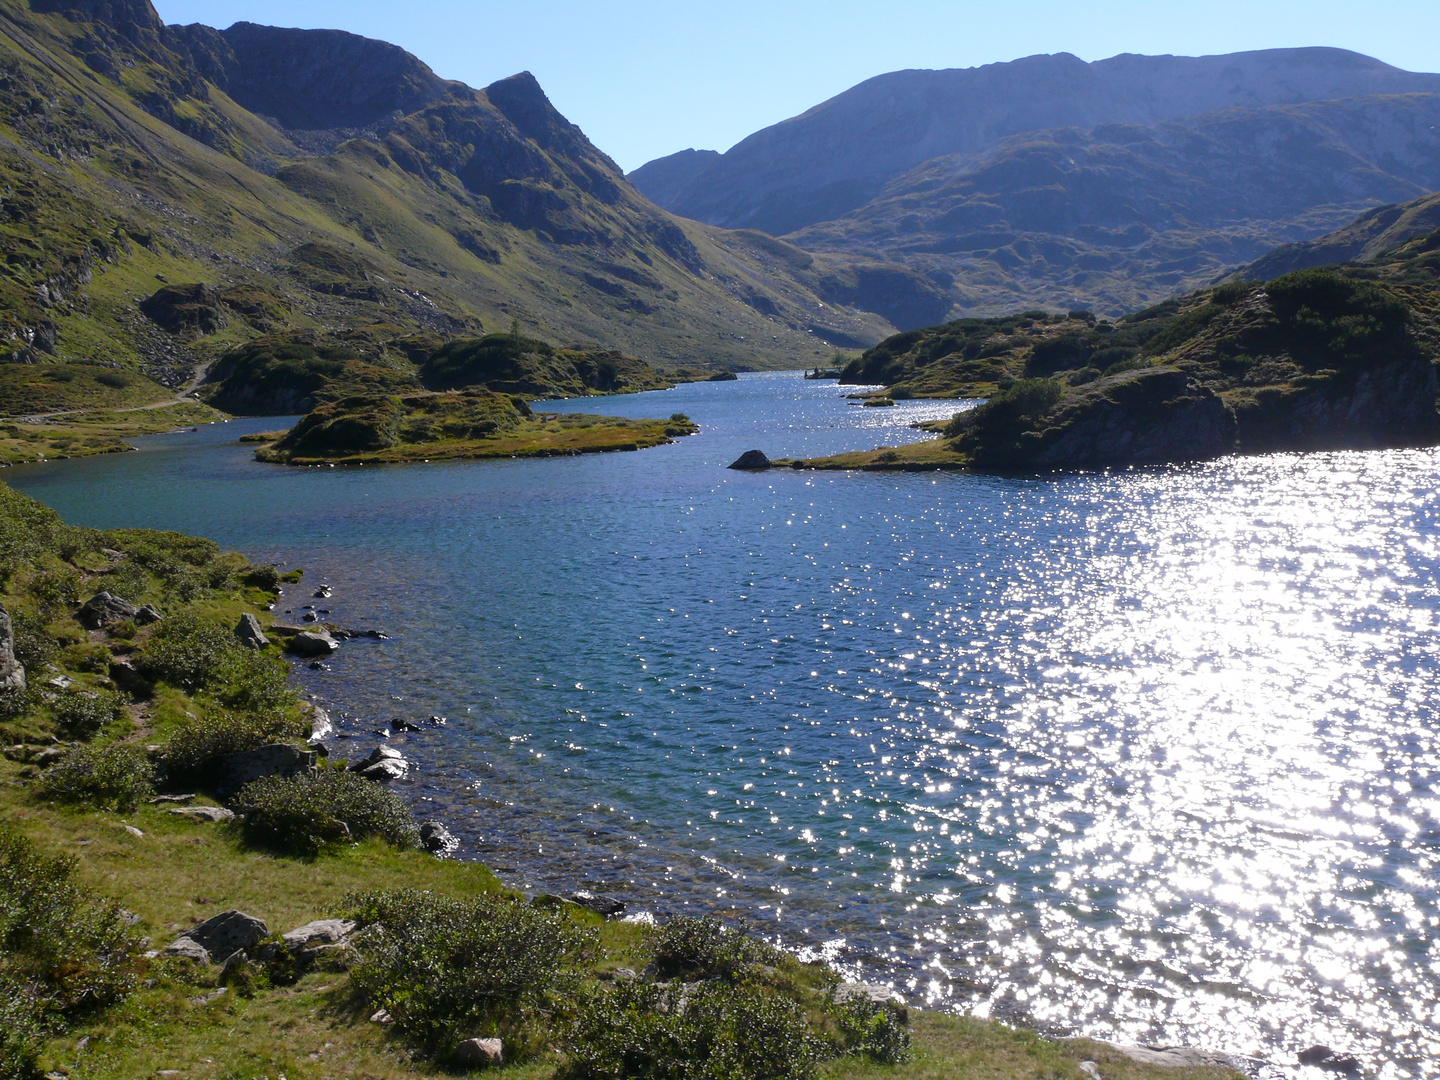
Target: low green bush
189	651
303	814
872	1029
81	715
193	752
16	703
448	970
705	1031
704	948
117	776
62	953
34	647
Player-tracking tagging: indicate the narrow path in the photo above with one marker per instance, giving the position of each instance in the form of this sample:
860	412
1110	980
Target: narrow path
184	397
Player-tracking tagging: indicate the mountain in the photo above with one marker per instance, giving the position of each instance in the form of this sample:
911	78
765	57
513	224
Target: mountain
169	193
1051	181
1368	237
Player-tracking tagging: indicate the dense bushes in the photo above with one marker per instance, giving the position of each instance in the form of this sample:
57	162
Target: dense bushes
690	948
116	776
1345	320
872	1029
61	953
705	1031
195	653
82	715
303	814
447	970
195	750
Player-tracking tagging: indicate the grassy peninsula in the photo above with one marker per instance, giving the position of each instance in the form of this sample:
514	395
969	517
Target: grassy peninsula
1339	358
117	744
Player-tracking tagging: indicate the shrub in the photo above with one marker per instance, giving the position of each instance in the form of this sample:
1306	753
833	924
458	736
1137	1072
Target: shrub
872	1029
16	703
711	1031
55	591
691	948
263	577
303	814
82	715
61	952
34	647
189	652
448	970
255	682
195	750
118	776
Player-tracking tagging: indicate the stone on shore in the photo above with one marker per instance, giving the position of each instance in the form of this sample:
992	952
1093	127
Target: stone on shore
12	675
606	906
249	632
321	726
437	839
480	1053
102	609
310	643
751	461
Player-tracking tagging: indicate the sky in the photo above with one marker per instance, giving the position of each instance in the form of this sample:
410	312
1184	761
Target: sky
644	79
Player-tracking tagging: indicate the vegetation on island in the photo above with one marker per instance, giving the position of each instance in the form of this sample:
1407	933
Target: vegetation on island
1329	358
98	872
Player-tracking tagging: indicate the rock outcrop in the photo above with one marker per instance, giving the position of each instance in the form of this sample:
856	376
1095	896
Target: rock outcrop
12	674
751	461
383	764
277	759
248	631
103	610
220	937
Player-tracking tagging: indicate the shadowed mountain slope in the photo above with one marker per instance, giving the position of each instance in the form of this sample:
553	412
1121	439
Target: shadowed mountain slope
1368	237
170	193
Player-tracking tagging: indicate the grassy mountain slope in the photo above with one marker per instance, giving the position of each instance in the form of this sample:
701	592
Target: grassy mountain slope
1316	359
1369	236
126	168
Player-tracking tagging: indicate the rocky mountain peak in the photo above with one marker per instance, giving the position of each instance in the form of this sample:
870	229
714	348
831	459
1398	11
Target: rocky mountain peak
119	14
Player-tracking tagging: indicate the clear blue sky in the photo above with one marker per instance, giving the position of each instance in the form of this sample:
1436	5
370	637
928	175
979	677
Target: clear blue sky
645	78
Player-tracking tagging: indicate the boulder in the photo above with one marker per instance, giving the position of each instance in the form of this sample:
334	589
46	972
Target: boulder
147	614
315	934
751	461
12	675
277	759
437	839
383	765
1322	1057
217	814
102	609
249	632
480	1053
228	933
321	726
310	643
607	906
188	948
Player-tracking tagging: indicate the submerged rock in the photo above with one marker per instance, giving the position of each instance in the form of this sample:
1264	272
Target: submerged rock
384	764
309	643
751	460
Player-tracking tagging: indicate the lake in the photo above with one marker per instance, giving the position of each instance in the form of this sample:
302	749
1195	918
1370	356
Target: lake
1146	754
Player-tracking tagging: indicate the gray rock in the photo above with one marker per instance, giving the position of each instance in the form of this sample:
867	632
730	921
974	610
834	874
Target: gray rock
12	675
188	948
228	933
309	643
147	614
437	839
321	726
480	1053
384	764
1175	1057
102	609
249	632
217	814
1322	1057
751	461
608	906
318	933
277	759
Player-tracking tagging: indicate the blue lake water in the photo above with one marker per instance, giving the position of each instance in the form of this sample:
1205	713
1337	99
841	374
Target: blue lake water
1147	755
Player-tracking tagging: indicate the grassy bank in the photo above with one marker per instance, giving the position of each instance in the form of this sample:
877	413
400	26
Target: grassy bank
93	432
95	874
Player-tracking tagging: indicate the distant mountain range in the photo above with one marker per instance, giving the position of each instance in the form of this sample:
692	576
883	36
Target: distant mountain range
1052	182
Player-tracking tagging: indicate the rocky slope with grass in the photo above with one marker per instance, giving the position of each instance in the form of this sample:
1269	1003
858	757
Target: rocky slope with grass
172	193
1051	182
189	889
1313	360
